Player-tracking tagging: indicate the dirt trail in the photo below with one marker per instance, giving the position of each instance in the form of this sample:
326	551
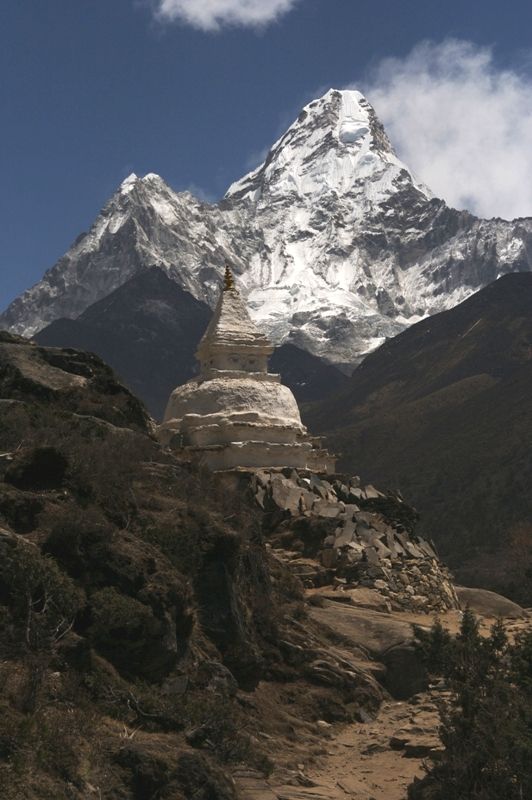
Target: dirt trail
374	760
363	761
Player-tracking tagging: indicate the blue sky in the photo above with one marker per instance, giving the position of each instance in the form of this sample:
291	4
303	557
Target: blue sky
92	90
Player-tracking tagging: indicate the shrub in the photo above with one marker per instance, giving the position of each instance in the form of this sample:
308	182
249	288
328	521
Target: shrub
487	724
42	600
127	633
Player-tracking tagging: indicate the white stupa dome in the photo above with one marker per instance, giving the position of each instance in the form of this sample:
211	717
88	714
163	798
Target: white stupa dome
267	402
236	414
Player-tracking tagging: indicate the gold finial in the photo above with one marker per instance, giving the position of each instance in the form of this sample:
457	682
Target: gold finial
229	281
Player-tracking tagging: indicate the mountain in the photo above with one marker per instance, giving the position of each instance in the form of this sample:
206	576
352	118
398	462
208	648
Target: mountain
443	411
334	243
148	331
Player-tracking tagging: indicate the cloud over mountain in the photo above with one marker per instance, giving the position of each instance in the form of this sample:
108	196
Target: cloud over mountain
212	15
463	123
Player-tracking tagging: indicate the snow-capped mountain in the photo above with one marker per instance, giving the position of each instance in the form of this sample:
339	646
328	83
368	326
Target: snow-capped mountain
334	243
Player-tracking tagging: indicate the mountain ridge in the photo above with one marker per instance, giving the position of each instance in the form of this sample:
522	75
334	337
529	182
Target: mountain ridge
333	242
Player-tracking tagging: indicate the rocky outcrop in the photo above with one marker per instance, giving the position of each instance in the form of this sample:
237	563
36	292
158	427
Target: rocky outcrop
336	531
488	604
66	380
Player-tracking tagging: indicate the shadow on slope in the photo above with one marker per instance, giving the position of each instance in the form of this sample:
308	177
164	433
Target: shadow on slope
443	411
148	330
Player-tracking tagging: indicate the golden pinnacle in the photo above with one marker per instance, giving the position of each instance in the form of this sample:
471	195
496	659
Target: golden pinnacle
229	281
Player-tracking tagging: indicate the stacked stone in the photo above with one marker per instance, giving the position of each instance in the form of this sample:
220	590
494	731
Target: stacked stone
368	547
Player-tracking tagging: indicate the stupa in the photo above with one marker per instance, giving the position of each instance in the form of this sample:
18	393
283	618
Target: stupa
235	414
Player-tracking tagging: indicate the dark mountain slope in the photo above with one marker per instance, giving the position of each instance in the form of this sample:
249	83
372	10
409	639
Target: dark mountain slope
148	330
309	377
444	412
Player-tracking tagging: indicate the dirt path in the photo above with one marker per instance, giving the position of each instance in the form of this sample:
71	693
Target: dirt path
375	760
380	759
363	761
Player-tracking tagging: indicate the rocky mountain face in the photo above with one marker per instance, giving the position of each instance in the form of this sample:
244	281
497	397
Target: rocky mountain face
443	411
334	243
148	331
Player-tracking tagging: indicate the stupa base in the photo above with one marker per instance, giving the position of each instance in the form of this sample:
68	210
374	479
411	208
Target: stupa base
263	455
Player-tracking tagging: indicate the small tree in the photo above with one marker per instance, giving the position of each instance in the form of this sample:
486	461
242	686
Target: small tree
487	724
41	604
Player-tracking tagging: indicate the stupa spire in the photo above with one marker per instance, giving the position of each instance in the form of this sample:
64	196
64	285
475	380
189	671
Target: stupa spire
229	281
232	341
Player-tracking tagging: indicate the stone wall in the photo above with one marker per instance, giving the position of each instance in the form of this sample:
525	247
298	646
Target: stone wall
336	532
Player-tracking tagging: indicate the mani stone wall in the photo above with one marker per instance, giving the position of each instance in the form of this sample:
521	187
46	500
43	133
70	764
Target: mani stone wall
335	532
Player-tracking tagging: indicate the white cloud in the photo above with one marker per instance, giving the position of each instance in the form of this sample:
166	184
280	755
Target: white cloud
202	194
461	123
212	15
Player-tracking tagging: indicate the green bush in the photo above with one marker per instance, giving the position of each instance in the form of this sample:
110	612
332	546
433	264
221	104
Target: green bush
127	633
487	724
42	600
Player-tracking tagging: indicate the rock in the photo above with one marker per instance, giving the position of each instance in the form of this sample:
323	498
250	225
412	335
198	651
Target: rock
342	491
329	558
318	487
372	556
307	500
346	533
488	604
353	788
359	597
350	509
405	672
322	508
372	493
418	741
286	494
426	548
412	549
376	632
260	496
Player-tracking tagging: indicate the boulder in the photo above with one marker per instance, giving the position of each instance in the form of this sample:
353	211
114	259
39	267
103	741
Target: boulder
385	638
405	672
373	631
488	604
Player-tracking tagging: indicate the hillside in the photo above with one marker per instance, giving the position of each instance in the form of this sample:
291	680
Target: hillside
139	607
166	633
443	411
148	331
